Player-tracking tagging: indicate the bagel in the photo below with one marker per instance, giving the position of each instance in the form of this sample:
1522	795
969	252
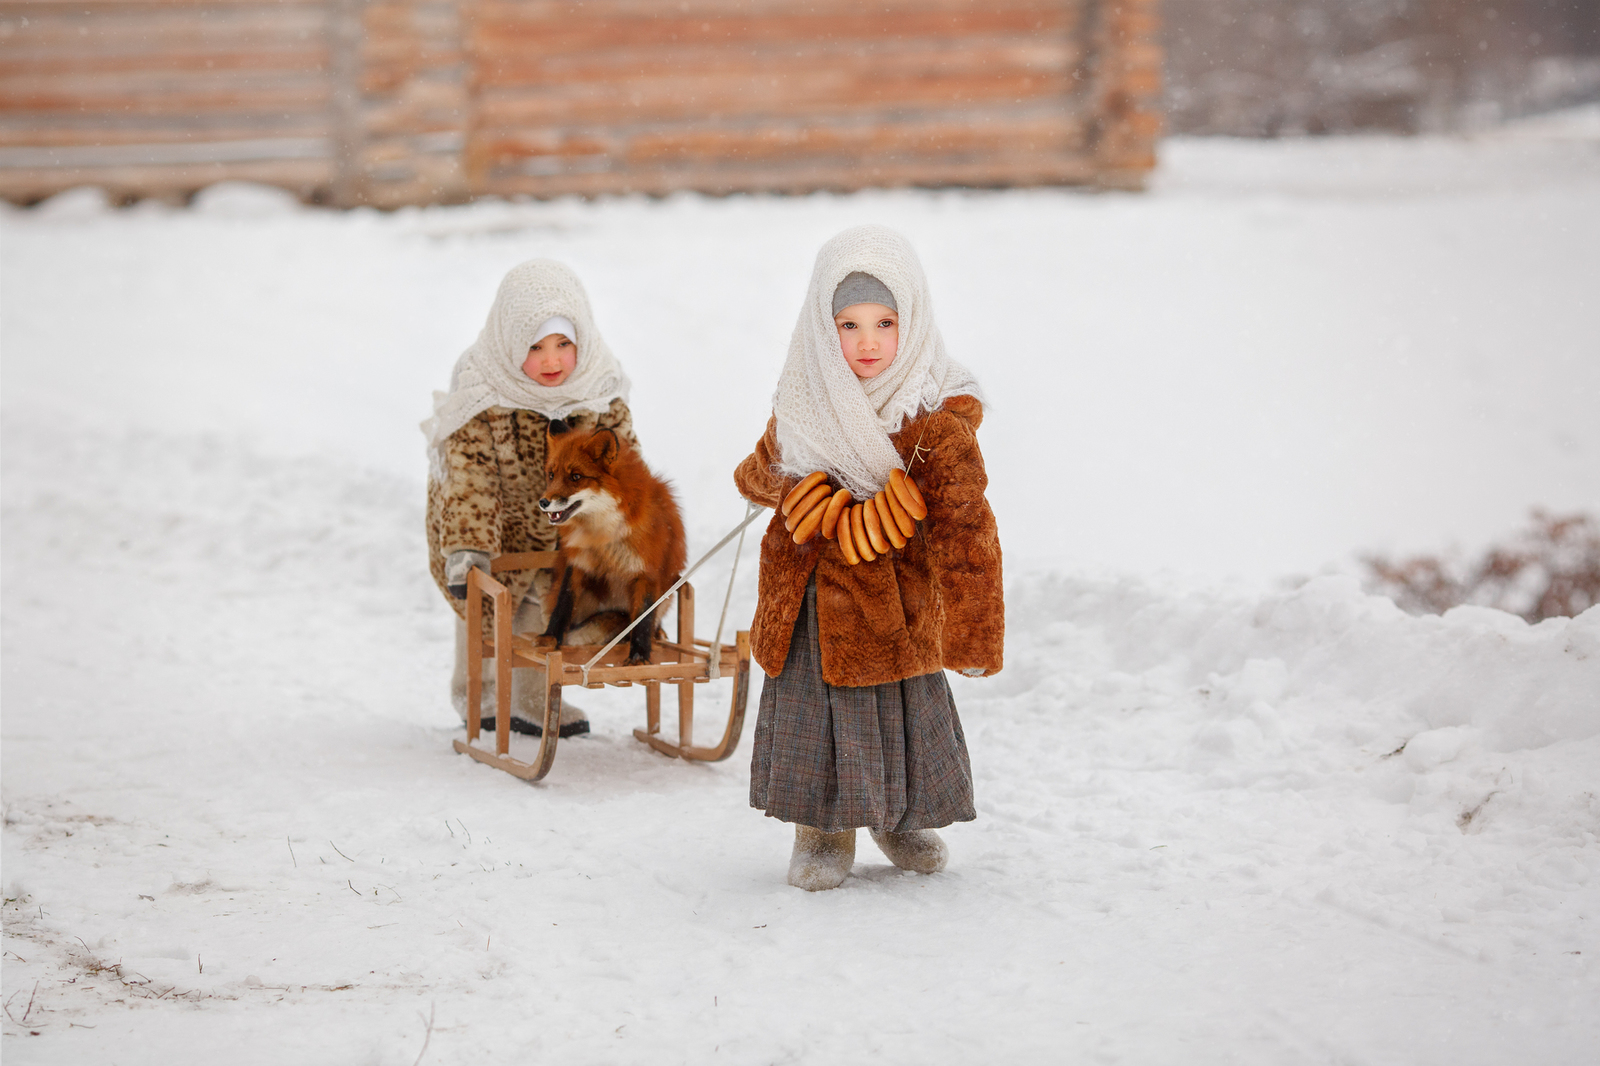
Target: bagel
910	497
836	505
798	493
806	506
858	531
904	522
847	542
886	522
808	526
880	543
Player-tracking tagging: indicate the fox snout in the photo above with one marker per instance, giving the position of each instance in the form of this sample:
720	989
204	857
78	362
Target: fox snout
559	508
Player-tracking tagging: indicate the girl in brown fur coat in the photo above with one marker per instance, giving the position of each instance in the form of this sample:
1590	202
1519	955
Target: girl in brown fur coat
538	358
856	725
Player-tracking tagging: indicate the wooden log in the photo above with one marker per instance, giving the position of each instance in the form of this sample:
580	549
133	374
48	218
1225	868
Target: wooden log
157	95
738	146
814	96
591	28
800	176
776	70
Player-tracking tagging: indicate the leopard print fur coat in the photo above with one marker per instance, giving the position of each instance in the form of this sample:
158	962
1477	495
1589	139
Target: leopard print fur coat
488	501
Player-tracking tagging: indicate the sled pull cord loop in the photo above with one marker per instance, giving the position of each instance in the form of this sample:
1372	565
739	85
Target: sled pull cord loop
751	512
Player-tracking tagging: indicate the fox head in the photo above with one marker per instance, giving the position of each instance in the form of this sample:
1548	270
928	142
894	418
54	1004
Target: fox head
578	474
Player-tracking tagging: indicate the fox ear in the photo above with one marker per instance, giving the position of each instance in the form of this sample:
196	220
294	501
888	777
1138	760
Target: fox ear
558	426
603	446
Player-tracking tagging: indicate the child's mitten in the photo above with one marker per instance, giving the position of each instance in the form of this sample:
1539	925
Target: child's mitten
456	566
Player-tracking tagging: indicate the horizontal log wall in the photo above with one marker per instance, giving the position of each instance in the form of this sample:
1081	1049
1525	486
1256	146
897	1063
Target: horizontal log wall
412	101
722	95
163	96
416	101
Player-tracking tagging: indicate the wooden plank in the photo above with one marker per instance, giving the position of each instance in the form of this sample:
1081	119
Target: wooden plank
652	707
34	8
686	604
741	694
504	662
183	153
1069	169
712	9
77	32
200	84
738	147
887	145
605	675
817	101
522	561
157	99
593	27
218	63
26	184
695	654
310	125
776	74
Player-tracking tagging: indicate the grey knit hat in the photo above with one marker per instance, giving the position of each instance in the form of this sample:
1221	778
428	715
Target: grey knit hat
861	288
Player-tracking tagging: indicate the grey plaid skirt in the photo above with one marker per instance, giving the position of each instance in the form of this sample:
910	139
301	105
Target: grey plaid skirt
887	756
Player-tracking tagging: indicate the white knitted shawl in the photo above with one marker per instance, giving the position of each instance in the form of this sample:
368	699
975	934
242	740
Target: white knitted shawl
489	373
828	419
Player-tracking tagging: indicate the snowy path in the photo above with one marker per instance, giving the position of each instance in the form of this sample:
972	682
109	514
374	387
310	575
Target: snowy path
235	831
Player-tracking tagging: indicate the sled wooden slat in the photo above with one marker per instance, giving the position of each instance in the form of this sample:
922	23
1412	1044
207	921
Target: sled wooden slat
522	561
702	652
683	663
686	692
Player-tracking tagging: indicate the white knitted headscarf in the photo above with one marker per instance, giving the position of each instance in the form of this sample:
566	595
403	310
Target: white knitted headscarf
828	419
489	373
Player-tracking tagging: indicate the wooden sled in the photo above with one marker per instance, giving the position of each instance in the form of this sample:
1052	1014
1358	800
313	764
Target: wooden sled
685	663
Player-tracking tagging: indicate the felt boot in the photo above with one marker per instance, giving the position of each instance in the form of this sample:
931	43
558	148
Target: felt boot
920	851
821	860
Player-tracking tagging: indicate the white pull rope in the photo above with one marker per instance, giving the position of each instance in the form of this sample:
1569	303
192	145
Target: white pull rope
727	597
752	512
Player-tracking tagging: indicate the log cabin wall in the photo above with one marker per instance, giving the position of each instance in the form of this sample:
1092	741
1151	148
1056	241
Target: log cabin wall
393	102
160	97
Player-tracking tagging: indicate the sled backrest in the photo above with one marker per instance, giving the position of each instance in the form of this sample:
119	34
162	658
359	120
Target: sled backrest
522	561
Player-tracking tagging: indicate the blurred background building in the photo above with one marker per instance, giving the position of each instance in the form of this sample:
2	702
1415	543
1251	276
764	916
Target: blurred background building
392	102
409	101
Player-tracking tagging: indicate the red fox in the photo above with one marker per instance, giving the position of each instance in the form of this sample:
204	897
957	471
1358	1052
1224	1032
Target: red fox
622	540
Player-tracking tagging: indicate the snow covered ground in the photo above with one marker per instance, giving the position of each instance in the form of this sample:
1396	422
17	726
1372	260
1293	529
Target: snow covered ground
1224	818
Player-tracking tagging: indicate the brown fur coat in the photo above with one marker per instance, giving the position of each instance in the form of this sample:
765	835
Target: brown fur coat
489	502
937	603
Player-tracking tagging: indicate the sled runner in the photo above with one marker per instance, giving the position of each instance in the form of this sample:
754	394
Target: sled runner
684	663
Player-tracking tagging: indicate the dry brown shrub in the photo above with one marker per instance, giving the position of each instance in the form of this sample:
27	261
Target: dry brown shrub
1550	570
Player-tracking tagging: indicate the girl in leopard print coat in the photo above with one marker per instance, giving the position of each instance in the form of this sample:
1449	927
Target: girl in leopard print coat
538	358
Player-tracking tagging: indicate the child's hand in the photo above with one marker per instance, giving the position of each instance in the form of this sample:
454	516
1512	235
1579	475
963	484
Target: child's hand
456	567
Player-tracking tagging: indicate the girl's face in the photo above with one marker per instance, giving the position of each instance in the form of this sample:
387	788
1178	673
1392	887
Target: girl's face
551	360
870	337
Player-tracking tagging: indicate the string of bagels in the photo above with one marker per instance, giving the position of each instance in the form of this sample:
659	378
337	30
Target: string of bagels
868	529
